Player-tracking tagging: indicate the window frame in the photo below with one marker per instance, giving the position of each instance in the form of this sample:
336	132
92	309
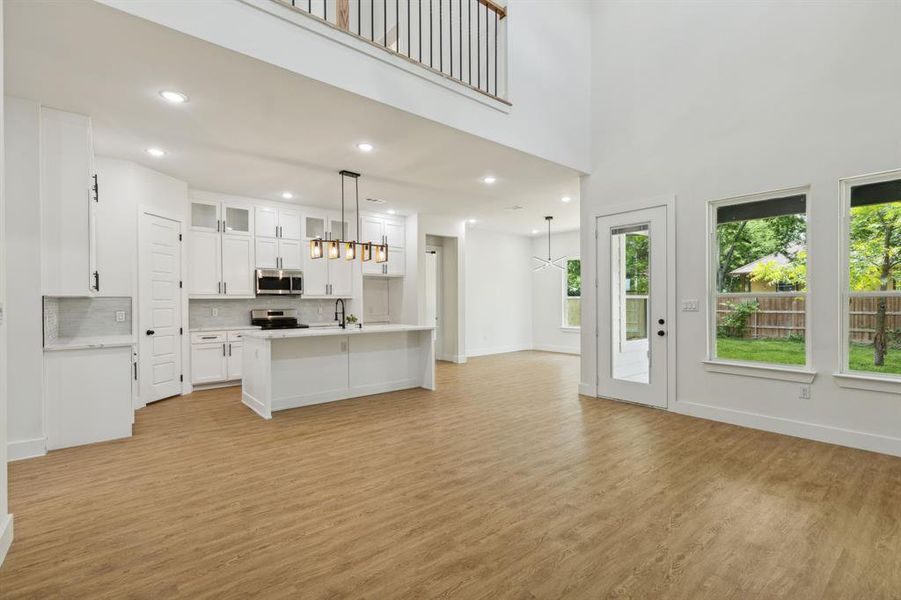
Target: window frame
865	379
755	368
564	296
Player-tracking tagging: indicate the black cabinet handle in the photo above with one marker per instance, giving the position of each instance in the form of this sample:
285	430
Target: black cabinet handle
136	370
150	332
96	281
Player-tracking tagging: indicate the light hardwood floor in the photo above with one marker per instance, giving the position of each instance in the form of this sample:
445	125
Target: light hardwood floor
501	484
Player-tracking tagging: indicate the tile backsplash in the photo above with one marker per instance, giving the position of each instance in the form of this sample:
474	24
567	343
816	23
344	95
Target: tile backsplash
237	312
68	318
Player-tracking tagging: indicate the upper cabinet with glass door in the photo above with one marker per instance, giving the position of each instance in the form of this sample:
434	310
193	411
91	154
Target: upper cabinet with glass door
221	217
237	220
205	216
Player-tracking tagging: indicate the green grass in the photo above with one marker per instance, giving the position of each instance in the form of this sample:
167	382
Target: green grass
791	352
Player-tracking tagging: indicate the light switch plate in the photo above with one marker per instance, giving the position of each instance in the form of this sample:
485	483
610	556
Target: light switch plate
214	312
690	305
120	316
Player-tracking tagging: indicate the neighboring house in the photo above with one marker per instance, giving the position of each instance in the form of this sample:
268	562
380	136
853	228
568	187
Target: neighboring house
744	273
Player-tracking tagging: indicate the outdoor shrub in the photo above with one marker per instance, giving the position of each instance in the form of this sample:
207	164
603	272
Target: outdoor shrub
735	322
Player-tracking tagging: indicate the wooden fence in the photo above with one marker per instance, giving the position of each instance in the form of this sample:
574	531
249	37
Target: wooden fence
783	316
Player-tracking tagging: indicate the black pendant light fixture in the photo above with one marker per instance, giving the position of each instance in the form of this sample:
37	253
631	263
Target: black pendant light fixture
332	248
543	263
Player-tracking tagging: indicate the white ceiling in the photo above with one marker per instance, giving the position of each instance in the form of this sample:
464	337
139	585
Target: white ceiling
252	129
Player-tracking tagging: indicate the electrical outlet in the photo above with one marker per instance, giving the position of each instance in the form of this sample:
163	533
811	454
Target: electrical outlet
805	392
214	312
120	316
690	305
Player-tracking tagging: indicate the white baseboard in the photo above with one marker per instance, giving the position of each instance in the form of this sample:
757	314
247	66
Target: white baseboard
6	535
812	431
498	350
344	394
558	349
586	389
22	449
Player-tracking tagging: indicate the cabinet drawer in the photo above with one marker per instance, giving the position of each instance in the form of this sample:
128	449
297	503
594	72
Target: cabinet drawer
236	336
208	337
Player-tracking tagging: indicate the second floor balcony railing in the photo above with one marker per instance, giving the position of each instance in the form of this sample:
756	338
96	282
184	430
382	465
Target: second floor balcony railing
464	40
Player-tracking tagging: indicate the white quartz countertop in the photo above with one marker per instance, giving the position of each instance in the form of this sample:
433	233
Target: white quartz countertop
224	328
82	343
277	334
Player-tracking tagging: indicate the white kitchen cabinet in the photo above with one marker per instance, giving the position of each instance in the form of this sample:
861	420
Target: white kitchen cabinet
274	253
68	205
209	362
341	277
373	229
314	225
216	356
205	216
266	253
237	266
289	251
277	222
88	395
237	220
328	277
394	234
396	265
205	263
315	276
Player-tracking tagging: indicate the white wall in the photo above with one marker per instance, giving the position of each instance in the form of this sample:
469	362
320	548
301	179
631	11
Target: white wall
498	292
548	50
6	519
708	101
24	315
547	296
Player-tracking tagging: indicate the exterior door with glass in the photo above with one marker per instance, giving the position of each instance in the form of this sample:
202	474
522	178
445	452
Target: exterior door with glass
632	306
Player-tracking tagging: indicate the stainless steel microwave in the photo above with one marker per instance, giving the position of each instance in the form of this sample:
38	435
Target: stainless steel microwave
279	282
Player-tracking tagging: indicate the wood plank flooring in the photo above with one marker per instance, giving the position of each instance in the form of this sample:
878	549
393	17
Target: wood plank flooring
503	483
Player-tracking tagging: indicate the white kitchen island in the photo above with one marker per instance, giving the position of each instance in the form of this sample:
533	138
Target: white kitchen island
289	368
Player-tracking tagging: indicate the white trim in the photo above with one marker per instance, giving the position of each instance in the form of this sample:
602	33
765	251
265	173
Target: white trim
558	349
6	536
22	449
762	370
318	26
586	389
846	377
874	383
812	431
498	350
571	329
564	285
713	293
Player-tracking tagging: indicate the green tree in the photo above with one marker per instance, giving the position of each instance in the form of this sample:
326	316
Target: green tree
637	257
743	242
875	260
574	277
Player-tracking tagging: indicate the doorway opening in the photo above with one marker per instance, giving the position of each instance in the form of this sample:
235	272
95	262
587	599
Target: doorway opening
441	298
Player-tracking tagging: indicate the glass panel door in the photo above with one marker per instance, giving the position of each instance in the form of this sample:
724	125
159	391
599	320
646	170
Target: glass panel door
204	216
237	220
632	306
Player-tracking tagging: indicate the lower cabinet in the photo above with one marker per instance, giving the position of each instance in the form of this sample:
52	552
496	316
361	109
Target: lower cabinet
216	356
88	395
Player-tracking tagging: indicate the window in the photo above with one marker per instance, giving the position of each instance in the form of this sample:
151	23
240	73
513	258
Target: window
635	258
572	293
871	271
759	278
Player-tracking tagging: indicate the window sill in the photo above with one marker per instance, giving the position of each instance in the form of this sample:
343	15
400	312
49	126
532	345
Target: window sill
762	371
873	383
571	329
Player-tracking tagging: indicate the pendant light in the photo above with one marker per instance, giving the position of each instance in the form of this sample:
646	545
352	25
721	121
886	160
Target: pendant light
334	248
543	263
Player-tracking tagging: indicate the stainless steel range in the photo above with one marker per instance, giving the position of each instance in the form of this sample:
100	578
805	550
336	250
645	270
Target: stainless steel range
276	318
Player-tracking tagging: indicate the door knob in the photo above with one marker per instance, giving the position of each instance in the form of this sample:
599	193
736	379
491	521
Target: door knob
150	332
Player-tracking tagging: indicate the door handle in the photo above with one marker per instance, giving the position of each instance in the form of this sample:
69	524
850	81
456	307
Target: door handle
229	349
223	349
224	287
661	333
150	332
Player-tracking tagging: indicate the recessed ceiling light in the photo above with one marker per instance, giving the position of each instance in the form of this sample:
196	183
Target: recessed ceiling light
287	195
534	231
489	179
156	152
391	211
565	199
471	221
173	97
364	147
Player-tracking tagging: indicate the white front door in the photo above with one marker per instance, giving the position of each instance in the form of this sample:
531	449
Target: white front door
632	306
159	298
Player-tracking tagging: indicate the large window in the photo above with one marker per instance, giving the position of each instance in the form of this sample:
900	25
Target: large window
872	275
572	293
759	278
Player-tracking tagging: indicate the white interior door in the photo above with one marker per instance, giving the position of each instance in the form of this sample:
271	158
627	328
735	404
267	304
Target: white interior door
433	296
632	306
159	298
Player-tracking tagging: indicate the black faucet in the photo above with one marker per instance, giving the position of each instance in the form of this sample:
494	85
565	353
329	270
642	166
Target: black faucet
343	321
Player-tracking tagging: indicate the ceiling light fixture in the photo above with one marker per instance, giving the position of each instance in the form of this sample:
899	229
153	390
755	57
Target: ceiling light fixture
352	248
534	231
489	179
173	97
156	152
471	221
391	211
287	195
548	262
365	147
565	199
